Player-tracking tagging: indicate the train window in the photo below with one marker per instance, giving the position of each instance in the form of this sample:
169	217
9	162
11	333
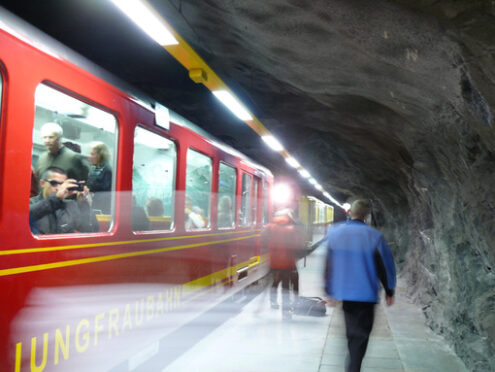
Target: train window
255	200
265	203
198	190
227	180
71	140
153	181
244	216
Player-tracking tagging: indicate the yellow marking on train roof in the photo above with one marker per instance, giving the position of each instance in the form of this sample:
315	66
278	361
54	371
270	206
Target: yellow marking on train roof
55	265
106	244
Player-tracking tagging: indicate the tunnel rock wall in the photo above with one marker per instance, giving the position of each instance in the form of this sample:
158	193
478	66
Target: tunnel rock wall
388	100
444	239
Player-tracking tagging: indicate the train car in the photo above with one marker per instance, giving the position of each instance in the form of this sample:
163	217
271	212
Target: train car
177	227
315	215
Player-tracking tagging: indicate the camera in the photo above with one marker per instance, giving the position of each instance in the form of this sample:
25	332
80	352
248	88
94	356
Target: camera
79	187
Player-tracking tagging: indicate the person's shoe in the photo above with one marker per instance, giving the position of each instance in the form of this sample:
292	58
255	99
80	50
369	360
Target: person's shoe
274	305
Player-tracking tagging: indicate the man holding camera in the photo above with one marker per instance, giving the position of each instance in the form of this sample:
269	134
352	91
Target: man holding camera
51	212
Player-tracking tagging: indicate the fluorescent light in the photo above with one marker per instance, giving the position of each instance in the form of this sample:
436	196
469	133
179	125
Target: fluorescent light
273	143
292	162
304	173
326	195
312	181
232	104
318	187
147	20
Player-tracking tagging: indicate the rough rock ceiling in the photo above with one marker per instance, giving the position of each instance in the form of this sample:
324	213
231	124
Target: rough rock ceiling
392	100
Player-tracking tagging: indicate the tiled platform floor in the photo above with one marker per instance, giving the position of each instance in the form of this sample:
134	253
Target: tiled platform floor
257	339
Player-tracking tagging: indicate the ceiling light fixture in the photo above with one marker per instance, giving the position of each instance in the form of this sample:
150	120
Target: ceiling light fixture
232	104
304	173
273	143
292	162
146	18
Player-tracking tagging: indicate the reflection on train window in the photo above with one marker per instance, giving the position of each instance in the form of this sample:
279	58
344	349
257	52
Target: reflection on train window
76	141
153	181
227	180
265	203
255	200
198	190
244	216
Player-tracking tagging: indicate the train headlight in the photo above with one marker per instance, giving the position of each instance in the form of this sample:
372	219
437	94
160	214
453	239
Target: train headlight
282	194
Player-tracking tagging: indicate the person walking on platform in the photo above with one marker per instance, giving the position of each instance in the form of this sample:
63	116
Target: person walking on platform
358	257
284	240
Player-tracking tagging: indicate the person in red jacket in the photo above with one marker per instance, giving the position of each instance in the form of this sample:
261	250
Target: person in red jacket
284	239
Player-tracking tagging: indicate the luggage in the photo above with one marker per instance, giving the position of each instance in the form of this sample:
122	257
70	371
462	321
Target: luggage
310	306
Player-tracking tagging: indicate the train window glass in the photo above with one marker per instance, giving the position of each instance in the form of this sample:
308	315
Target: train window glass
227	180
79	141
198	190
244	216
255	200
153	181
265	203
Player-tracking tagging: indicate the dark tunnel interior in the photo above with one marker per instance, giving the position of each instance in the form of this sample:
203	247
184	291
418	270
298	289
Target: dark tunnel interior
388	100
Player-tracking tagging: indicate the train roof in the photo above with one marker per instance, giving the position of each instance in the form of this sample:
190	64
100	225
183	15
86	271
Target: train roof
31	35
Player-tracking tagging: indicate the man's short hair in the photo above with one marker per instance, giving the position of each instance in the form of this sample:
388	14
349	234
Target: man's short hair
360	207
52	128
50	170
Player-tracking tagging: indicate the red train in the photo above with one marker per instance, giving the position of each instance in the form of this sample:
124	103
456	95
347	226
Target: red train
178	225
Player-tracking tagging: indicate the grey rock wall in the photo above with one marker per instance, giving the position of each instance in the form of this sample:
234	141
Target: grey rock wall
393	101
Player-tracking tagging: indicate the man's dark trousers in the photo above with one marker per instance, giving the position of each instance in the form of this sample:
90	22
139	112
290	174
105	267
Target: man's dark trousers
358	324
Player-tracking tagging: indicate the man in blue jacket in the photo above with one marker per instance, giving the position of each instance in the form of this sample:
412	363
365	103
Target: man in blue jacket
358	258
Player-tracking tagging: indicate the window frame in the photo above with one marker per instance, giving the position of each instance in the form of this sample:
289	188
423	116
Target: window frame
208	227
249	200
234	196
173	222
115	163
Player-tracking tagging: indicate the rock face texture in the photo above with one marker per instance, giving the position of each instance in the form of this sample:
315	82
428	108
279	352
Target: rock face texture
388	100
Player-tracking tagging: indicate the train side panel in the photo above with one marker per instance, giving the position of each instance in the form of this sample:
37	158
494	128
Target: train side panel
79	300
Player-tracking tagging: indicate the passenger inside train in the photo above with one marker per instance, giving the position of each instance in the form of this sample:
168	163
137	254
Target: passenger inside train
60	156
194	216
140	221
100	177
154	207
225	212
52	213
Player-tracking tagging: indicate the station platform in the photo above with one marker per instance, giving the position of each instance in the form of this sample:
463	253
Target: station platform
255	338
